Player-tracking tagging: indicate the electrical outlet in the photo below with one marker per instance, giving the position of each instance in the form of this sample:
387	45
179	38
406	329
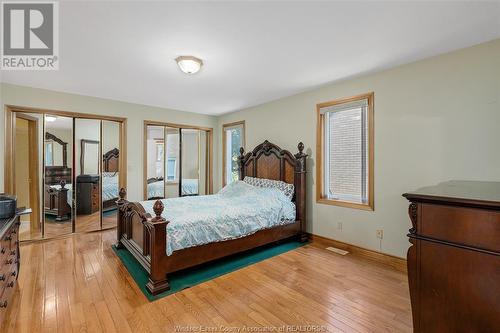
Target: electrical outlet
380	234
339	226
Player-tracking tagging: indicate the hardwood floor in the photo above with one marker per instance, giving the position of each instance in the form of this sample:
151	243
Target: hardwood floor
83	223
78	284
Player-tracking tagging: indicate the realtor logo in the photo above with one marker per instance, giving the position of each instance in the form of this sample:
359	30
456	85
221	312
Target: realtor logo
30	36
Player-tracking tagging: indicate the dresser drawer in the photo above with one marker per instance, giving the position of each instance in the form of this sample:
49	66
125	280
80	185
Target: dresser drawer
466	226
6	296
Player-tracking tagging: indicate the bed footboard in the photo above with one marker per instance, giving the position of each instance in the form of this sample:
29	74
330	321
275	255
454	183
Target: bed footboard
145	238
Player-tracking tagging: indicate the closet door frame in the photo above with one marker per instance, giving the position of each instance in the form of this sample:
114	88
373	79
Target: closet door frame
9	152
209	162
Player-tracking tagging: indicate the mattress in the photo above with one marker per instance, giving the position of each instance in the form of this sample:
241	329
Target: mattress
238	210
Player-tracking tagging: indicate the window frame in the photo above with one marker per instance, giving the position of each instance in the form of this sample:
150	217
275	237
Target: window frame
320	146
174	180
225	127
51	144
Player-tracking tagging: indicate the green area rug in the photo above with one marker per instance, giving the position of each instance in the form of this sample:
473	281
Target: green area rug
196	275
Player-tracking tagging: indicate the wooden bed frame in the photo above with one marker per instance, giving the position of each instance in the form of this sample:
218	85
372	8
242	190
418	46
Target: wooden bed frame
146	237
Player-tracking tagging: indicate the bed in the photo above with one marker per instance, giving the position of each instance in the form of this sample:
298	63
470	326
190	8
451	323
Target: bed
156	187
169	235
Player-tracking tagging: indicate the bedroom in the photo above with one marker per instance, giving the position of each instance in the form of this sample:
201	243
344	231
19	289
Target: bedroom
425	97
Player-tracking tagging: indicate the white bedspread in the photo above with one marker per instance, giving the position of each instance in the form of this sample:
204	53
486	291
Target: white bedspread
236	211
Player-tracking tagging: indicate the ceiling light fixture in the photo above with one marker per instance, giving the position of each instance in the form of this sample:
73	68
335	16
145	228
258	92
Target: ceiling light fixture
50	119
189	64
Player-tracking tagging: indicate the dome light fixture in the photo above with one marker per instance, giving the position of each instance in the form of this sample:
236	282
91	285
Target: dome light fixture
189	64
50	118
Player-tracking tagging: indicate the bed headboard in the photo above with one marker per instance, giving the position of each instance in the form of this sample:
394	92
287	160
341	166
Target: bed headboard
111	160
267	160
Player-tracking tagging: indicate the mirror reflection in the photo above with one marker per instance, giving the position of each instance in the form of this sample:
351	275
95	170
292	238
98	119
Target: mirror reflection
58	187
88	180
190	170
172	163
155	162
177	161
110	172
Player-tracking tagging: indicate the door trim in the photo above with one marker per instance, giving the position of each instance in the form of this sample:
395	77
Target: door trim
34	185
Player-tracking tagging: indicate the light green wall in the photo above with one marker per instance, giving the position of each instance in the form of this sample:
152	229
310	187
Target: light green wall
435	120
46	99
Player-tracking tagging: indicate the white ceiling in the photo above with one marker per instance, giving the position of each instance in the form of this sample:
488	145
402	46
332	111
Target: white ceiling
253	52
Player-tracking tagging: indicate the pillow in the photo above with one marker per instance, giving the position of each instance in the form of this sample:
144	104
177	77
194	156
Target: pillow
109	174
287	189
235	188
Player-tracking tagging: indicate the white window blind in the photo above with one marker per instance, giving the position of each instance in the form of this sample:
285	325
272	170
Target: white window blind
346	153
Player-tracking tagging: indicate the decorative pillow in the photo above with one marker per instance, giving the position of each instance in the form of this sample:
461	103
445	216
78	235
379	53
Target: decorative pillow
287	189
109	174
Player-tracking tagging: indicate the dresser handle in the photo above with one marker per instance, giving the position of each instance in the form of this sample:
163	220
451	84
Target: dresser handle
8	262
2	277
13	252
3	304
13	232
3	250
8	238
13	273
11	284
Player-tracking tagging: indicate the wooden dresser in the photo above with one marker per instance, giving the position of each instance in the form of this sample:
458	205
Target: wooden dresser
454	259
88	194
9	261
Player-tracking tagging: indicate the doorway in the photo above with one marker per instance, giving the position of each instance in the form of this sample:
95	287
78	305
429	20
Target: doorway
27	180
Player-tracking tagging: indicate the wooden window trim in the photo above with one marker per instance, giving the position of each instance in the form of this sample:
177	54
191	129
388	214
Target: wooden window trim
224	127
320	198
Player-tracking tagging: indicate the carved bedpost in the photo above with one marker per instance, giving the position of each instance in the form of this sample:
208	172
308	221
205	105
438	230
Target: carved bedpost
157	227
300	185
240	163
120	203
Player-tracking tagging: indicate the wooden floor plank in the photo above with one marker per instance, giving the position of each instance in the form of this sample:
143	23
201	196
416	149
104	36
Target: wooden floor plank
78	284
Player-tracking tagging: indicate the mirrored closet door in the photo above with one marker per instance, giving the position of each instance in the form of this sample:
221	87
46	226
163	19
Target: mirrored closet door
172	162
67	170
155	162
110	184
177	161
58	188
88	174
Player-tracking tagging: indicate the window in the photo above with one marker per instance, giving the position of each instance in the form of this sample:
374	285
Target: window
49	153
233	138
345	152
159	150
171	168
